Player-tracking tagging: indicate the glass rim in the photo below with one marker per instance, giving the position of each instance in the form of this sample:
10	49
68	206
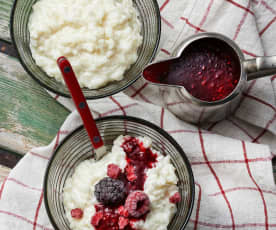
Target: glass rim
68	95
161	131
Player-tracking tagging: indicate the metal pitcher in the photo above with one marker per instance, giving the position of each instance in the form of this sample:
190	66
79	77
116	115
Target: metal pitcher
189	108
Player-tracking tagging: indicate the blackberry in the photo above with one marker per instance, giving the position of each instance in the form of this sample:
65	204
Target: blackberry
110	191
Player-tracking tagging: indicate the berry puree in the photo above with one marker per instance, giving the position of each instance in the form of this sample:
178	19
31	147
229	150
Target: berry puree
136	206
138	160
209	69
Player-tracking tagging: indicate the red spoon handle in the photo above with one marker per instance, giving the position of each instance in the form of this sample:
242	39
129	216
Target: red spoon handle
80	102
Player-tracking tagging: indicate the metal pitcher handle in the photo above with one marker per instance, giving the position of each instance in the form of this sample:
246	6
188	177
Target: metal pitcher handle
260	67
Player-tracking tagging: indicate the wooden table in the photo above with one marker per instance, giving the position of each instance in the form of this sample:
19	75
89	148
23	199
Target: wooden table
29	117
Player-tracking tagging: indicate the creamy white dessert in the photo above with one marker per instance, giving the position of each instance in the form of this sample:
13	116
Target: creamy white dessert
160	185
100	38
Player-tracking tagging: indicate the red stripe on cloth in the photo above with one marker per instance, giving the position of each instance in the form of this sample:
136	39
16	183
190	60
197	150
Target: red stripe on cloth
257	186
242	21
162	118
167	22
37	210
140	95
268	7
205	14
139	90
144	98
260	100
241	128
198	205
216	177
2	187
267	26
265	129
212	125
24	219
165	51
249	53
243	97
64	132
175	103
240	6
56	97
23	185
57	141
246	225
200	116
164	5
40	156
115	110
242	188
273	78
191	25
118	104
260	159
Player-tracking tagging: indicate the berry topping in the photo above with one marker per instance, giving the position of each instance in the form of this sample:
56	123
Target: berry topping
137	204
110	191
122	211
123	222
77	213
130	173
175	198
130	145
113	171
95	220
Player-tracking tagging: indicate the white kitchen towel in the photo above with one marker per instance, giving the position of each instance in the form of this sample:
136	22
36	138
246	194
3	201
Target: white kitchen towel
231	159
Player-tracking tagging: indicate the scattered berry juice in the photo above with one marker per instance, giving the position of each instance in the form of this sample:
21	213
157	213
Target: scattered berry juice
208	68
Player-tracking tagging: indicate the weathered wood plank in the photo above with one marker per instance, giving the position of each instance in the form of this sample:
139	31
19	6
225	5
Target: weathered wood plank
8	158
5	10
7	48
28	115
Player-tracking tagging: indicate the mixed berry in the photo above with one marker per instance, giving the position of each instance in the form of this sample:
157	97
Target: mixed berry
121	198
110	191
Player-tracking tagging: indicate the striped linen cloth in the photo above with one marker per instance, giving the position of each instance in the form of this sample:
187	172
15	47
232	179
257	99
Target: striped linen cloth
231	159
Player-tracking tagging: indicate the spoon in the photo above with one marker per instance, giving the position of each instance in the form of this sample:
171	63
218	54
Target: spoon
82	107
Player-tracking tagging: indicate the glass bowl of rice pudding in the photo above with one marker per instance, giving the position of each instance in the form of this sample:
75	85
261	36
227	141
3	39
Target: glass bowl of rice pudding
108	42
153	185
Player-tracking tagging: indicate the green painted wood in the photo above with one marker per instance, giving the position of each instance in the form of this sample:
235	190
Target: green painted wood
29	116
5	10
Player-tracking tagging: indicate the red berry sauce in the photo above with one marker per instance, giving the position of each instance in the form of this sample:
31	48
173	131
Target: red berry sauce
138	160
111	219
209	69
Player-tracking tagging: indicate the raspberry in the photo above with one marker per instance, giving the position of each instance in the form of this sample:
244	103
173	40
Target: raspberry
77	213
113	171
122	211
175	198
129	145
137	204
123	222
95	220
130	172
110	191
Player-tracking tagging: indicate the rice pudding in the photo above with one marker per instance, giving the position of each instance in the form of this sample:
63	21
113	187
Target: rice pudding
100	38
132	187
